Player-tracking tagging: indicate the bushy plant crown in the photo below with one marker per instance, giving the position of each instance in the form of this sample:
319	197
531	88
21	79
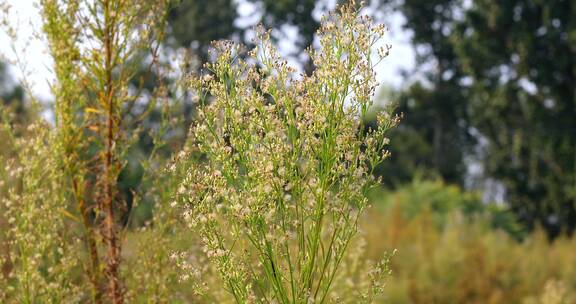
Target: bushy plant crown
278	164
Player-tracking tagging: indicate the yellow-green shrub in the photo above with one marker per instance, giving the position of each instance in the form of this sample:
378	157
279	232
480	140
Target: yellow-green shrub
464	260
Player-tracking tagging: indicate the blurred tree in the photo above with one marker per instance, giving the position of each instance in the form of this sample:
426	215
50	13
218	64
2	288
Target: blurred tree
521	56
196	23
298	13
507	71
12	95
434	135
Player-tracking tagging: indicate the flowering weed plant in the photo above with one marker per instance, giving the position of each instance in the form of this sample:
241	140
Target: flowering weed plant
278	165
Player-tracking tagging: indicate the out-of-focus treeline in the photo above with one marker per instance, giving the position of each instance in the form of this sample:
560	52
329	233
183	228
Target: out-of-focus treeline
497	89
489	111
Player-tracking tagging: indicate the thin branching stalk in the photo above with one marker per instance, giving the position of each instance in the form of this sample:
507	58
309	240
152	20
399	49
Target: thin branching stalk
107	98
62	34
286	162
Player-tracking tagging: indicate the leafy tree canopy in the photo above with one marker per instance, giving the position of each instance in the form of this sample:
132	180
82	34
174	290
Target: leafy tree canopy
501	88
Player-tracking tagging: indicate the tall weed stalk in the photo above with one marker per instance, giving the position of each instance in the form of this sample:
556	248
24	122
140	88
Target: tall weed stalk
97	47
278	165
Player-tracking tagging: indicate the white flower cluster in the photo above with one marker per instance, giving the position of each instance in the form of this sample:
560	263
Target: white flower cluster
284	163
39	253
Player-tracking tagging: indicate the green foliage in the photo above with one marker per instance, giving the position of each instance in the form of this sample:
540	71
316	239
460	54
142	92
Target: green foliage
442	201
195	24
527	109
434	136
501	92
431	139
12	95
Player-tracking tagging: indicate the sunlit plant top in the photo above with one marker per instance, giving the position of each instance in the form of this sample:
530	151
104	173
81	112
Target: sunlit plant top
278	165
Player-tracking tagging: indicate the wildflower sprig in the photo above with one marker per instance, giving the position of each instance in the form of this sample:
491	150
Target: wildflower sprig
279	165
40	256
